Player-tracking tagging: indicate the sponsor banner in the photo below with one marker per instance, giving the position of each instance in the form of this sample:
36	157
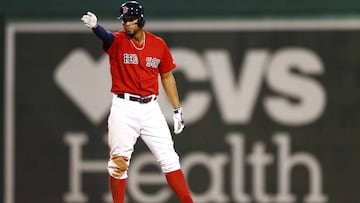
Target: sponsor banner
271	111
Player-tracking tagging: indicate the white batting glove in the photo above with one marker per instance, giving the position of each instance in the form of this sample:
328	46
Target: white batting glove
90	20
179	122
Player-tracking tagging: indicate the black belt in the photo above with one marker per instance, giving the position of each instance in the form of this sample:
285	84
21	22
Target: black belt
142	100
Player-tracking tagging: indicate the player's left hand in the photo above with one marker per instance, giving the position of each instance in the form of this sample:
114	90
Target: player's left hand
179	122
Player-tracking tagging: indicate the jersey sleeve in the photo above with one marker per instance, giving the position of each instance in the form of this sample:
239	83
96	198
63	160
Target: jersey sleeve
167	62
112	50
106	37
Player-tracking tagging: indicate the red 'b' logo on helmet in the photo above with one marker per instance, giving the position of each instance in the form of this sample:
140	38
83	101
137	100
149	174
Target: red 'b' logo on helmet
125	9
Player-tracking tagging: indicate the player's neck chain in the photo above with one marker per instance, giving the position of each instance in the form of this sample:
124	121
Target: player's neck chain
143	44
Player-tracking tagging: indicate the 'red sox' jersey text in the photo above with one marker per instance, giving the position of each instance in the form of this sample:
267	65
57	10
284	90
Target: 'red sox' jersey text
135	68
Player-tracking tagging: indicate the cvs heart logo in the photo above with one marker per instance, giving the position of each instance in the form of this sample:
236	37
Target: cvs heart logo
86	82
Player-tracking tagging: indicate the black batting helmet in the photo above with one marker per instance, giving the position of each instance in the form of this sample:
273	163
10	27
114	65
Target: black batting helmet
133	9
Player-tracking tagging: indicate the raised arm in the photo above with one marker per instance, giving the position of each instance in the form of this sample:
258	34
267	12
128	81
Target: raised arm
90	21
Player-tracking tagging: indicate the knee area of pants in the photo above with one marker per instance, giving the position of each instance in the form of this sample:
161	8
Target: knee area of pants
170	164
113	173
118	166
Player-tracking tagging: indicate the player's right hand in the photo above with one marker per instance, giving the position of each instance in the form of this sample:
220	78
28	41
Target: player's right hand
90	20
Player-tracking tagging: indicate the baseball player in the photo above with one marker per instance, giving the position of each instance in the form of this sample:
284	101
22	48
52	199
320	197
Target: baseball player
136	59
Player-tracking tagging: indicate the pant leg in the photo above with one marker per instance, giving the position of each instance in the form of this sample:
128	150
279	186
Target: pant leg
156	135
123	128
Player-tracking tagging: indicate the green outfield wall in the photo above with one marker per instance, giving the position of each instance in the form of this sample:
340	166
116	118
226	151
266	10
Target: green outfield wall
183	9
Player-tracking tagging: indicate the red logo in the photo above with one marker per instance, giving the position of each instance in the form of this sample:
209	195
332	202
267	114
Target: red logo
125	9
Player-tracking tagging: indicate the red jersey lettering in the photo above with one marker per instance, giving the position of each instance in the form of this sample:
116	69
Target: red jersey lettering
135	69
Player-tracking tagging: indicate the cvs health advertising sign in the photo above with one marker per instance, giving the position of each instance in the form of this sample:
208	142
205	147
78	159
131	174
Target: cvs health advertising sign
271	110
